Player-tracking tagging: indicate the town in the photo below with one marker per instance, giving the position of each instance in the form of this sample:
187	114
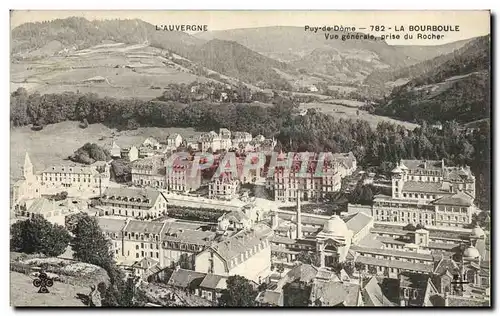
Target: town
185	228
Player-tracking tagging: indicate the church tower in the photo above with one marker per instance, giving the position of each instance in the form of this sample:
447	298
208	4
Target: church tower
27	168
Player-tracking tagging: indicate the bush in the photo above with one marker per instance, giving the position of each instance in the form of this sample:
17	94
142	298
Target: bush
37	235
90	153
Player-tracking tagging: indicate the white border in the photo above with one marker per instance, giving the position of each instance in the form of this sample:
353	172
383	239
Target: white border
199	5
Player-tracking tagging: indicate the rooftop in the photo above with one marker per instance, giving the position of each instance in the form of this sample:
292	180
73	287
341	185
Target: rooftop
131	196
420	267
271	298
373	295
186	278
71	169
358	222
240	242
42	206
113	225
214	281
394	253
458	199
335	293
422	164
144	227
424	187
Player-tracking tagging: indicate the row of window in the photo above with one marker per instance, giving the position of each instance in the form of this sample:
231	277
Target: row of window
452	209
247	254
145	246
151	254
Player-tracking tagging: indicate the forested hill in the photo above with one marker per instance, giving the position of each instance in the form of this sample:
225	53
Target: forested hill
235	60
451	87
379	78
82	33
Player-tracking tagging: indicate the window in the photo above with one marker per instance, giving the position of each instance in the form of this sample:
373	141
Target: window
137	255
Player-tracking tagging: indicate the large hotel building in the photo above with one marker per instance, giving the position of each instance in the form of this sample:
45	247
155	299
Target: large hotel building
429	193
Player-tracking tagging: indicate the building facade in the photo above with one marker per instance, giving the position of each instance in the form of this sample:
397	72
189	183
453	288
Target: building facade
133	203
76	180
428	193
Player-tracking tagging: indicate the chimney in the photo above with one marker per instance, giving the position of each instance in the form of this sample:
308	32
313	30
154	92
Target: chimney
299	219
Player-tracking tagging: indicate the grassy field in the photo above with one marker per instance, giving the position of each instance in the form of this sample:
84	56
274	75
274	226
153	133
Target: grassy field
129	69
348	112
56	142
23	293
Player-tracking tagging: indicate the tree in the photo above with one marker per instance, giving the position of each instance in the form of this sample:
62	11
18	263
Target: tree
121	170
308	257
349	268
89	244
372	270
262	287
239	293
410	227
90	153
37	235
296	293
359	266
280	268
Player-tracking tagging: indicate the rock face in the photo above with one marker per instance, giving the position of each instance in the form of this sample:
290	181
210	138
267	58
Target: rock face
94	297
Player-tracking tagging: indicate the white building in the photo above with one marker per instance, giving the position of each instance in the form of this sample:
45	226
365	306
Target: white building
132	202
174	141
246	253
76	180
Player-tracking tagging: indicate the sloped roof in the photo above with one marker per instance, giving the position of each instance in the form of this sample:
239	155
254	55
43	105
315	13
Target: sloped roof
240	242
303	272
335	293
145	263
422	164
213	281
111	224
41	206
186	278
144	227
458	199
271	298
373	295
72	169
173	136
235	215
421	267
145	197
424	187
358	222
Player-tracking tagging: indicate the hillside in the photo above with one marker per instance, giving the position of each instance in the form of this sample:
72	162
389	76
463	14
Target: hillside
46	38
454	86
346	61
235	60
421	53
383	81
290	43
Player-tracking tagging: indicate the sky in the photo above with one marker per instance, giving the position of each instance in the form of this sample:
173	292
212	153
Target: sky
470	23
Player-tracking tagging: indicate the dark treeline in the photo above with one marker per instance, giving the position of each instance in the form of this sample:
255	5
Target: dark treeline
315	131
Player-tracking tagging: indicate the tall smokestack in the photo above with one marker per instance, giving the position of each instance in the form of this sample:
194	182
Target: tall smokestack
299	220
